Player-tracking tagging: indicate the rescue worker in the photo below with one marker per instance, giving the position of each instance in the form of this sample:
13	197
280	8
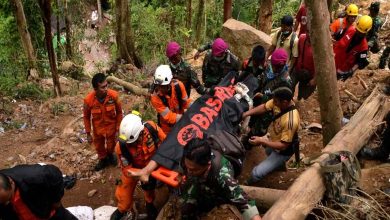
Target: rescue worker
103	107
32	192
351	50
301	20
138	142
276	73
181	70
283	142
304	72
254	64
287	39
372	35
210	182
169	98
340	26
217	63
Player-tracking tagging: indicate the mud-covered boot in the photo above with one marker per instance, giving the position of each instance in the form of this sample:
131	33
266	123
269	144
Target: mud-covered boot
151	211
117	215
103	163
112	159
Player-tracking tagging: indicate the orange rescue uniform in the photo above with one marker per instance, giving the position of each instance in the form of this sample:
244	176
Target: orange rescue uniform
106	118
168	107
141	152
21	209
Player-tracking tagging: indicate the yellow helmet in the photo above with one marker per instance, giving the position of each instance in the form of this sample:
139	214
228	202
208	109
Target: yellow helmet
364	24
352	10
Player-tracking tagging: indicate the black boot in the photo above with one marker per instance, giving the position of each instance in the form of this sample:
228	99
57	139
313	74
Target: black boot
117	215
112	159
103	163
377	153
151	211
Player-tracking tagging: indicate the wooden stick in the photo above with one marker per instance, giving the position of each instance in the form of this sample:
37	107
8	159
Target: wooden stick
352	96
361	81
131	87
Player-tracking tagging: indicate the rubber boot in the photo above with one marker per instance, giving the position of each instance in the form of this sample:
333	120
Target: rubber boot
117	215
151	211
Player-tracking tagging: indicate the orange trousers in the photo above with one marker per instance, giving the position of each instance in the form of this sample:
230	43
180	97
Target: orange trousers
100	142
125	190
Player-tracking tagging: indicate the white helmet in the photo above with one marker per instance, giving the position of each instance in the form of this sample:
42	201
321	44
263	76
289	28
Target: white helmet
163	75
130	128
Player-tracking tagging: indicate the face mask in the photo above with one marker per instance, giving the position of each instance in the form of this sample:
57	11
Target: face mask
175	66
286	33
218	58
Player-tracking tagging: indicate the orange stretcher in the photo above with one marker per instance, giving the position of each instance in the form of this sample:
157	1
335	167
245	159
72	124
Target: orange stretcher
165	175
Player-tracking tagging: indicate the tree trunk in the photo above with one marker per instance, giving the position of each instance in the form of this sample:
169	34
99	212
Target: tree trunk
328	95
227	10
264	197
129	86
58	34
46	15
124	39
298	201
25	35
68	34
265	16
329	3
188	24
199	21
100	14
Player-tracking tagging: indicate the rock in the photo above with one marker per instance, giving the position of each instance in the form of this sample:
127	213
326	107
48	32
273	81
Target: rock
314	127
104	212
22	159
81	212
92	192
243	37
10	158
374	61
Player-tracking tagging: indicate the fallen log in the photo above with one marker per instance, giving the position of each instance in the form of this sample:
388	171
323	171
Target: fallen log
129	86
298	201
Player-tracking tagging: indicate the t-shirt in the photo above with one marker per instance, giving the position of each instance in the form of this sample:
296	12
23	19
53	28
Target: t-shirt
286	45
301	18
285	127
305	59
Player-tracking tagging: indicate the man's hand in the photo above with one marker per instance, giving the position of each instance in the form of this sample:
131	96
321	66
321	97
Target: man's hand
196	56
141	175
344	75
256	140
89	138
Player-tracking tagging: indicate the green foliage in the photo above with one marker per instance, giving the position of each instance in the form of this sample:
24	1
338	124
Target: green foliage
282	8
17	88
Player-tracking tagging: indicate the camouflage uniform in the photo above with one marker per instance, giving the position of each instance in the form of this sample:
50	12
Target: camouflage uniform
259	124
385	57
372	35
213	70
187	76
202	194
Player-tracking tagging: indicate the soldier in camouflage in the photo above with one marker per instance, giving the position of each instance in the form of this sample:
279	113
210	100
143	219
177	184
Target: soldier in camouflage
210	182
217	63
372	36
385	57
181	70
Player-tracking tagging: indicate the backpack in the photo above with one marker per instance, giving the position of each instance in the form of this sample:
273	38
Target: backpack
292	39
230	146
341	172
153	133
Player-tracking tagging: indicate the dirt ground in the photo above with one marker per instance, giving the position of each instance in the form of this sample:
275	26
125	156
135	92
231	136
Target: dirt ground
52	132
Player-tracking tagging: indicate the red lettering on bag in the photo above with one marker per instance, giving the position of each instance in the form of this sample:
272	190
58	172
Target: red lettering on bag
187	133
210	113
214	102
201	120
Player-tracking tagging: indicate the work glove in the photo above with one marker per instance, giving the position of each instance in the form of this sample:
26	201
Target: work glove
344	75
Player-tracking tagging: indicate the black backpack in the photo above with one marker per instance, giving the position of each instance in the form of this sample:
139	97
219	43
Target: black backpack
230	146
153	133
